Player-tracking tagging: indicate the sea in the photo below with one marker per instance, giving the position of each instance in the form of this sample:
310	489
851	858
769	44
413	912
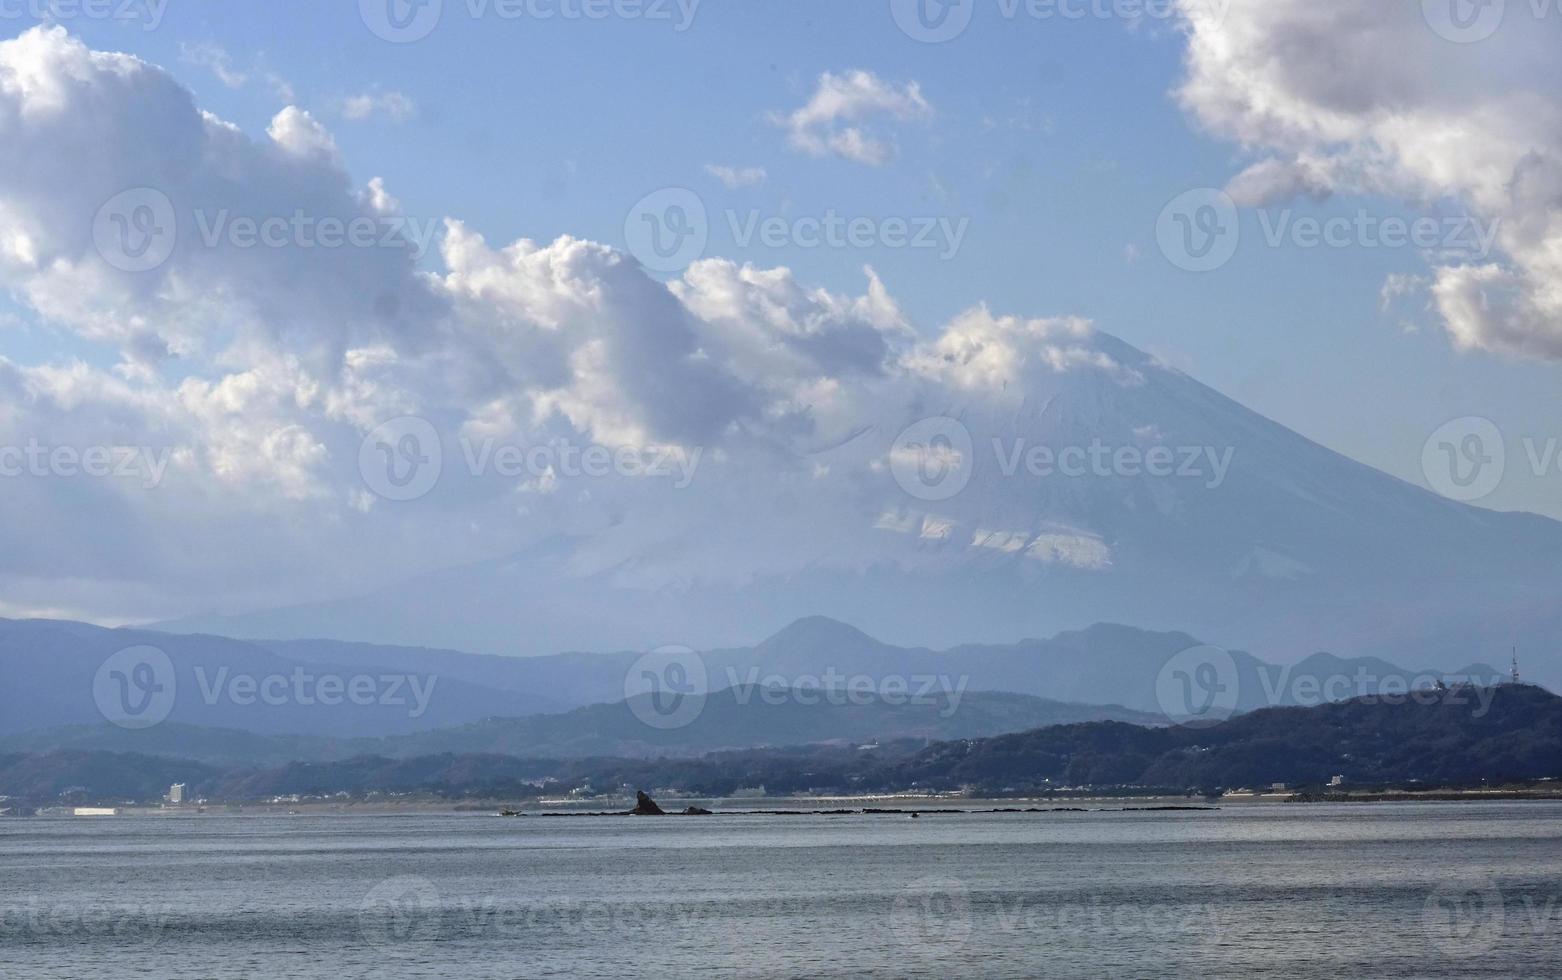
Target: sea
1279	890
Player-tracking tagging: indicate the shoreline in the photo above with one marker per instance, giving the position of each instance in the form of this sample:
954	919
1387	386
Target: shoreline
870	805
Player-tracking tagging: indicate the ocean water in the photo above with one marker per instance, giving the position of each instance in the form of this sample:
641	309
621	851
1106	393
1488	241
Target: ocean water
1295	891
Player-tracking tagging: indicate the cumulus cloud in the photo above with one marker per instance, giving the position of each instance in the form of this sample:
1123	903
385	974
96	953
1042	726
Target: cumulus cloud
250	370
1373	99
833	120
982	352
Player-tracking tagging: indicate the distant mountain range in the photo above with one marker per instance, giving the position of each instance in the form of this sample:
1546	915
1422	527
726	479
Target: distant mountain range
1253	535
52	673
52	676
1463	736
736	718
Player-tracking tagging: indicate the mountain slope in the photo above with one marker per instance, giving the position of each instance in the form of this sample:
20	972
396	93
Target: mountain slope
1255	536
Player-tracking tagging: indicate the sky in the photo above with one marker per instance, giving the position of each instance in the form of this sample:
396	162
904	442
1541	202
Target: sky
1040	156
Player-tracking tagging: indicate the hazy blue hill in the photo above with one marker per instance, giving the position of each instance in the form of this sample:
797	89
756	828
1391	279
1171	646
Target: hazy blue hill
744	718
48	668
225	747
555	682
727	719
96	777
1517	737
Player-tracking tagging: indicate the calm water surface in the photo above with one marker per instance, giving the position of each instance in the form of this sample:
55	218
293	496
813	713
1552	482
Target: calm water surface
1369	890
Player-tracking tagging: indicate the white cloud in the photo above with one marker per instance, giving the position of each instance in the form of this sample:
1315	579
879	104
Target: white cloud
257	371
298	133
982	352
214	59
735	177
1369	98
391	105
1272	181
832	121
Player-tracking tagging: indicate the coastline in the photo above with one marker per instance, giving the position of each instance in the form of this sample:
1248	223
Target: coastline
835	805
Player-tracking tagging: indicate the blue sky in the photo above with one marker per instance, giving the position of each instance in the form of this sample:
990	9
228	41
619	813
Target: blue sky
1059	141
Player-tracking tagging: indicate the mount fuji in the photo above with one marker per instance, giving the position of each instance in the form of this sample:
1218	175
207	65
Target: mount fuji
1105	487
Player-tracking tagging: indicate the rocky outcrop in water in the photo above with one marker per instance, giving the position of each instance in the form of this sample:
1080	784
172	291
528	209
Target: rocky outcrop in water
646	807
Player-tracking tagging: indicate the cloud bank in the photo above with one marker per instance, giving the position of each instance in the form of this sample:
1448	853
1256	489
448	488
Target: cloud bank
1399	99
255	355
